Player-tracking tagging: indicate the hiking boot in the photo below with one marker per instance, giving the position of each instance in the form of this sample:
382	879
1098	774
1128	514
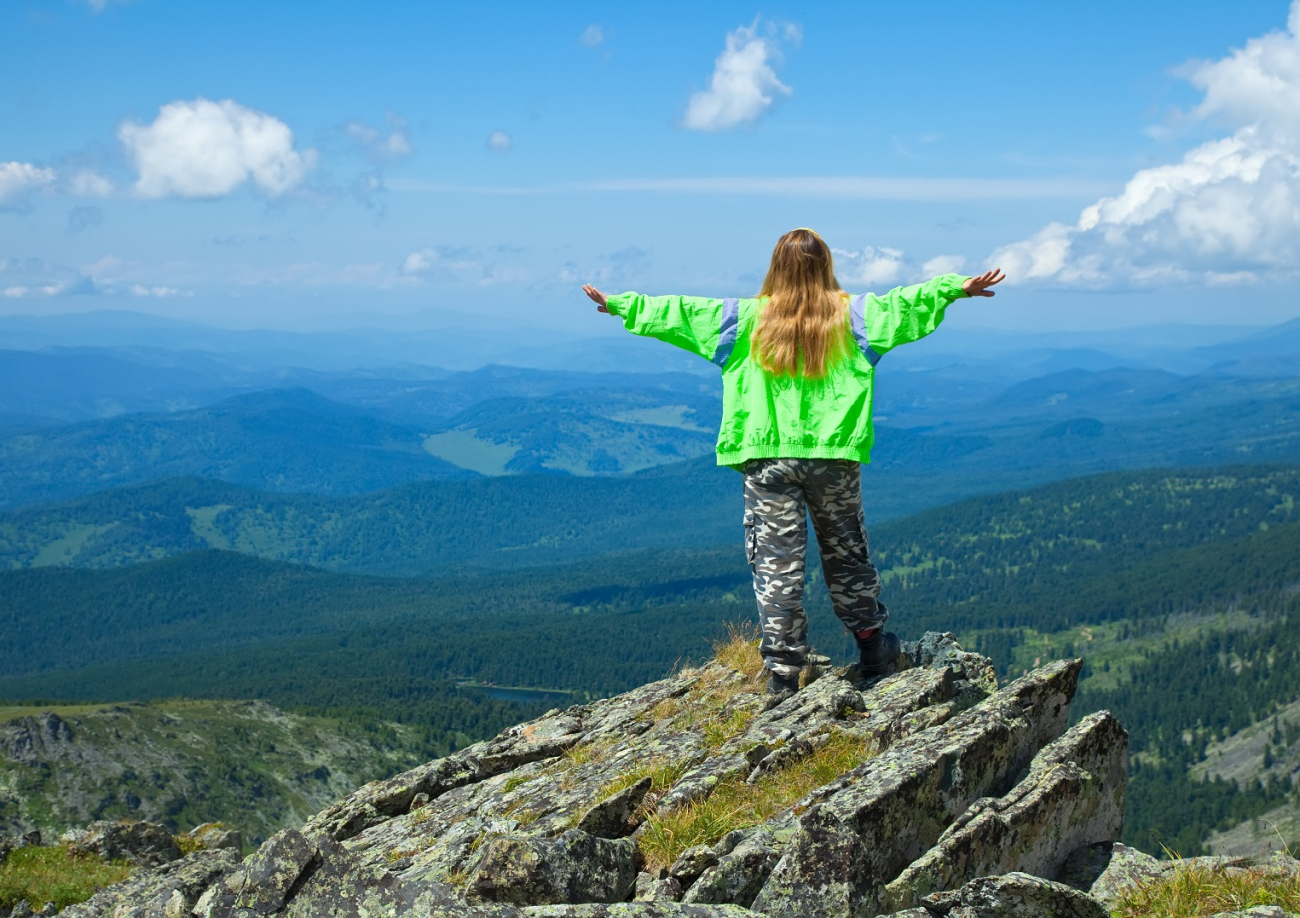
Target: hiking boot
782	685
877	652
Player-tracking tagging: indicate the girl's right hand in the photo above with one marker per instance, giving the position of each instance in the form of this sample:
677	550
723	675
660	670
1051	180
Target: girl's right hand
596	297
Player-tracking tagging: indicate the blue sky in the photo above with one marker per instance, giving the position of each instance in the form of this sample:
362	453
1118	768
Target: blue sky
294	165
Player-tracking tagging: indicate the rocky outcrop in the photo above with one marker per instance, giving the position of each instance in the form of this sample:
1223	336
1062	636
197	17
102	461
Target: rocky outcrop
144	843
700	796
170	890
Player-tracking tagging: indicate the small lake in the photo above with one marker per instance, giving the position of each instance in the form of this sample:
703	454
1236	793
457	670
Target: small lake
527	696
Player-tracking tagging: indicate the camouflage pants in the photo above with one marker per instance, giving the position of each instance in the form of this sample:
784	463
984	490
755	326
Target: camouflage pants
779	496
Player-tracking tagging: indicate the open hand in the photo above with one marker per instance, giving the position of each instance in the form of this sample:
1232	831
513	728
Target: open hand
596	297
979	286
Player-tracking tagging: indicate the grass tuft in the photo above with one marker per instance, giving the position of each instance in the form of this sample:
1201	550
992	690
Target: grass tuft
737	805
40	875
1196	892
739	650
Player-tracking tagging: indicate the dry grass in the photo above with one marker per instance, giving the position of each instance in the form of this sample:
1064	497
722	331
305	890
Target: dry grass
662	773
42	875
739	650
1195	892
737	805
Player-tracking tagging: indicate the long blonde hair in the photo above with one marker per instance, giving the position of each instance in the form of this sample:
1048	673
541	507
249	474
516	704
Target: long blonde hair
805	315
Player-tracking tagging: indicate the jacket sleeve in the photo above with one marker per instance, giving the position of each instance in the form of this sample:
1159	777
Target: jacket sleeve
693	323
907	314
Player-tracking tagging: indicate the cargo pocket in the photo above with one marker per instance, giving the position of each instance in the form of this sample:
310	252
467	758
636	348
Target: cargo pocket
751	538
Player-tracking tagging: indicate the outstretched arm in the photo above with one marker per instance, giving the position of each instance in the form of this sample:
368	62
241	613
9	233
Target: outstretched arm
690	322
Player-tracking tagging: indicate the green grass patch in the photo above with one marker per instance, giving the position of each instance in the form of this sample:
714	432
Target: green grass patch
1194	892
737	805
42	875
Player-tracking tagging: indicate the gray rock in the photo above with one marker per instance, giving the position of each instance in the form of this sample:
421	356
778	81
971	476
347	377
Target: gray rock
214	836
21	910
640	910
1259	911
657	889
897	804
741	873
576	867
1015	895
1073	796
262	883
1108	871
170	890
145	843
337	886
691	863
613	818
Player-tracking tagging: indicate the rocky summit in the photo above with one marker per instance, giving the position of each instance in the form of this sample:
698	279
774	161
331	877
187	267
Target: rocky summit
930	791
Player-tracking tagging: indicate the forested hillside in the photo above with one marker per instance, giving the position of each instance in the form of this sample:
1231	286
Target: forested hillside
1178	588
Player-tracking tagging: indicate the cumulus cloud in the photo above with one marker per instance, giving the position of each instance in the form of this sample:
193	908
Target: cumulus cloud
881	266
1228	212
499	142
18	180
205	149
744	83
592	36
871	265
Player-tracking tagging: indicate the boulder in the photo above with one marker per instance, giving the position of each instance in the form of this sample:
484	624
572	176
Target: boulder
1072	797
261	884
613	818
1109	870
214	836
1015	895
145	843
170	890
896	805
576	867
639	910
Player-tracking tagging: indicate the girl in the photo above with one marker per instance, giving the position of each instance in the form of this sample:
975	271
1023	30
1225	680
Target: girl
798	363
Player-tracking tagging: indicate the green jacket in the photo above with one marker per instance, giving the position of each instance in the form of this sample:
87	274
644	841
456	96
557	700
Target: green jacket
769	417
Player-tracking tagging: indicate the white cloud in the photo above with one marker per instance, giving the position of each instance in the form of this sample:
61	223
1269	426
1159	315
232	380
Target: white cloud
380	145
205	149
19	179
591	36
743	82
90	184
870	265
164	292
459	264
943	264
1228	212
499	142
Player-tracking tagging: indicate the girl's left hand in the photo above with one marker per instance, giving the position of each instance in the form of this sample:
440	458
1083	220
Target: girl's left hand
596	297
979	286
